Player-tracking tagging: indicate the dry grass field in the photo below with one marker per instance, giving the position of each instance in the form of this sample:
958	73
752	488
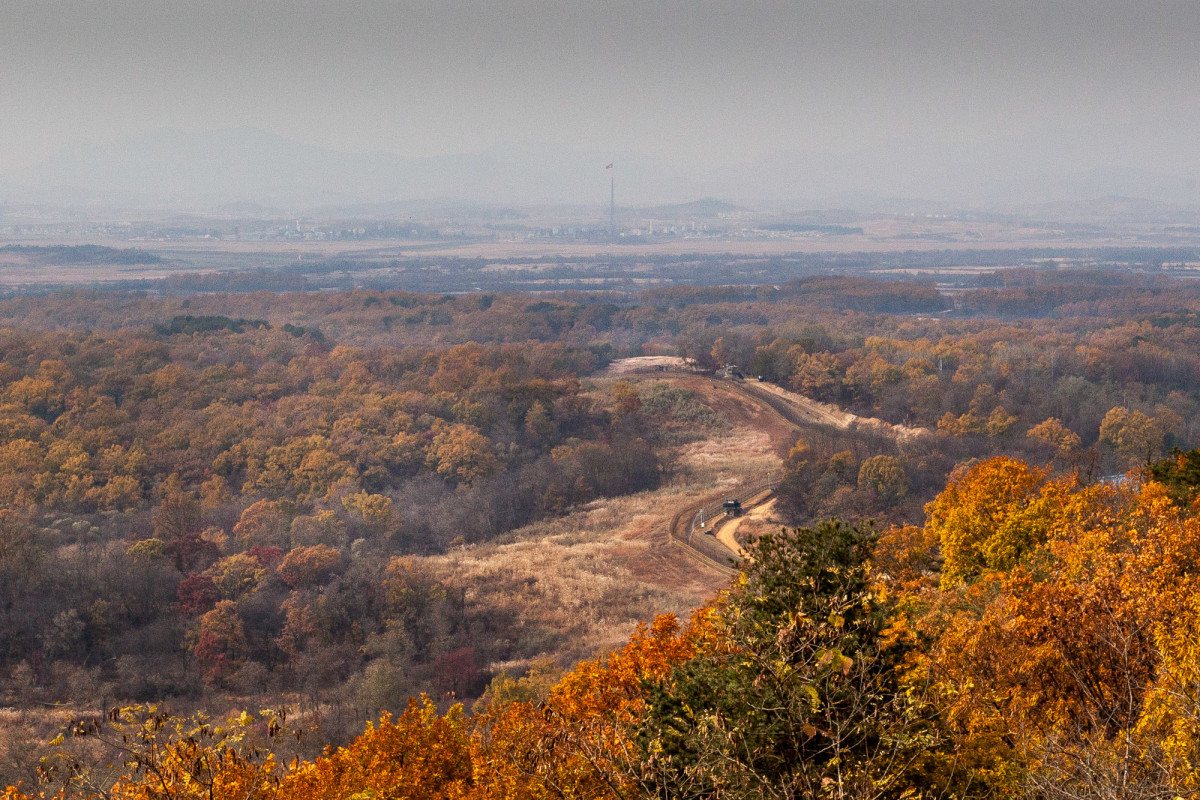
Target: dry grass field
584	581
19	270
639	364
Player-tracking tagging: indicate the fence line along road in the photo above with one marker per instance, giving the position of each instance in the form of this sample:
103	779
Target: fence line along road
686	523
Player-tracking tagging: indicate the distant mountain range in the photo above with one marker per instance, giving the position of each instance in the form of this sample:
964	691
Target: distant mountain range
240	170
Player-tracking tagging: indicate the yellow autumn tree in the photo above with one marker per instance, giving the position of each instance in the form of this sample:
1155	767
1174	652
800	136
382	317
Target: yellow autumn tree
1053	433
980	517
421	755
236	576
1075	675
163	757
1135	437
461	453
377	512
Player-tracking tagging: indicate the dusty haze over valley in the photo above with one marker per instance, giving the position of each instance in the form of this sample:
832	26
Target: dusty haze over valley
773	105
599	399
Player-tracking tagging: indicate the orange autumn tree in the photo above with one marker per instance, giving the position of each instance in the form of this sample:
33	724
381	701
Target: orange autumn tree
578	744
421	755
1067	670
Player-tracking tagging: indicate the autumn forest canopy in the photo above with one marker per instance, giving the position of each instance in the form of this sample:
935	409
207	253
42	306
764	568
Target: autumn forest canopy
233	524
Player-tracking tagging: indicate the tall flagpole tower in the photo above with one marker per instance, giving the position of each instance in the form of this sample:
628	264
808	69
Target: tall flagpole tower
612	203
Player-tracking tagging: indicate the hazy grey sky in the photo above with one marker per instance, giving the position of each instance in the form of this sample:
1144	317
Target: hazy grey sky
697	82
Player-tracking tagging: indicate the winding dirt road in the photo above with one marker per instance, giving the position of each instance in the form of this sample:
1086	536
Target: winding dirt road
796	408
761	508
763	407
